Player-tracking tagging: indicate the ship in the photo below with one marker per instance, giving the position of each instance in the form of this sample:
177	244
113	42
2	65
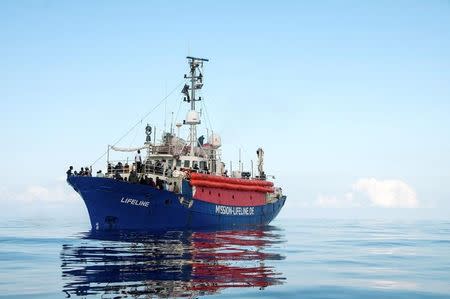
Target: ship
178	183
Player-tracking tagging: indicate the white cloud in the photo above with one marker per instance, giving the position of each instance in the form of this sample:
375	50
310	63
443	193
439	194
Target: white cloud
382	193
57	192
327	201
36	193
387	193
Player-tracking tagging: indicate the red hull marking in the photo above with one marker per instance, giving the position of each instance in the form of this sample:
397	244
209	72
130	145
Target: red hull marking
230	197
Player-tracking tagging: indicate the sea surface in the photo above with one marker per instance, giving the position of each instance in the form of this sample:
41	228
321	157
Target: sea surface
289	259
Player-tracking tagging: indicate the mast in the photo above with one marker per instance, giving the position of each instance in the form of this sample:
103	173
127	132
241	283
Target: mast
196	82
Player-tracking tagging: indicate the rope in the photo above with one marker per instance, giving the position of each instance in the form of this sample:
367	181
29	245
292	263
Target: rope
207	115
139	122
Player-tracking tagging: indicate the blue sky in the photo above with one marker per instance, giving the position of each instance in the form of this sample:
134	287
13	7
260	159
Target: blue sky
349	99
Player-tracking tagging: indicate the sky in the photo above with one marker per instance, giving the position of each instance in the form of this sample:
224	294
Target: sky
349	99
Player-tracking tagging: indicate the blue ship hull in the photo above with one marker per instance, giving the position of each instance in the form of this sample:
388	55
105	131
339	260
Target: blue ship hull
114	204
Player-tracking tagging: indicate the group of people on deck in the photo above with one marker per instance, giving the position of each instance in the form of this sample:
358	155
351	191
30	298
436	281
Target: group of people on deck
133	178
154	167
119	167
86	171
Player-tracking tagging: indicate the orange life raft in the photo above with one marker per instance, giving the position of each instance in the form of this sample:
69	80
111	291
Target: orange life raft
214	181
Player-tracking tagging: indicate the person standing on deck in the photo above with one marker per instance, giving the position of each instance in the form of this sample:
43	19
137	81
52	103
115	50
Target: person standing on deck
138	160
69	172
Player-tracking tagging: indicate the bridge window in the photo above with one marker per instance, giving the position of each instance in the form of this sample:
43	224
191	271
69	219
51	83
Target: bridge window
178	163
186	163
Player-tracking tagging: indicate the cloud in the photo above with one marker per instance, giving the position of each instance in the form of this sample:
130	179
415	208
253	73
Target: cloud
327	201
55	200
387	193
57	192
380	193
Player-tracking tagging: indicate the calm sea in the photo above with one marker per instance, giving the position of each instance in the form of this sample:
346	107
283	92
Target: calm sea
290	259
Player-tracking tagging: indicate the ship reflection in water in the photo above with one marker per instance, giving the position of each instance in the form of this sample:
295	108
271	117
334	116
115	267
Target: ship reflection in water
172	264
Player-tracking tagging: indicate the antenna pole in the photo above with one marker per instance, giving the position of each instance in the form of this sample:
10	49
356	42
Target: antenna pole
193	128
165	116
196	82
171	125
240	163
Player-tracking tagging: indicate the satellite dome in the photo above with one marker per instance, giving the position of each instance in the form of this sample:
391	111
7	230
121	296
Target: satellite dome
192	118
